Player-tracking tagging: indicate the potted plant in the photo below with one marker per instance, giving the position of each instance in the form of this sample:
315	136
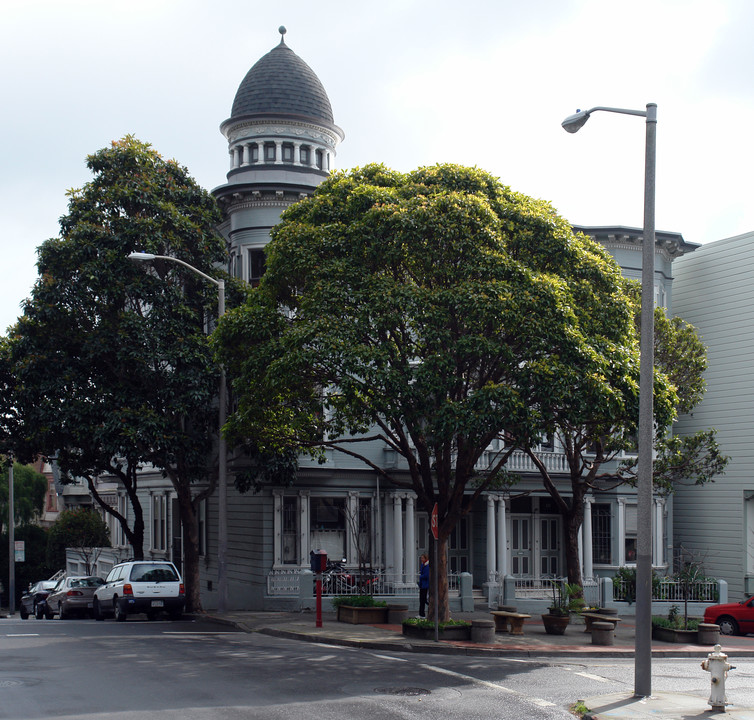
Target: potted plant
360	609
675	627
425	629
566	598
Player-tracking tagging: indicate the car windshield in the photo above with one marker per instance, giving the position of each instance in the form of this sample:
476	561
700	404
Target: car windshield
87	582
153	573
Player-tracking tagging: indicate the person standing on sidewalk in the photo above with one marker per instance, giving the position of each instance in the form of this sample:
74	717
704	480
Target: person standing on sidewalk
423	584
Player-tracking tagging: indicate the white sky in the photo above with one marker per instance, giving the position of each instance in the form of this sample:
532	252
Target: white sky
411	82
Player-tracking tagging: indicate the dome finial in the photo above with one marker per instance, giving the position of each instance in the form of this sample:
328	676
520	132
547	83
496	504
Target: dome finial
282	32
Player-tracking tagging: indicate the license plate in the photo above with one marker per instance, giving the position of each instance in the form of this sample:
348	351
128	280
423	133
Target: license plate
157	603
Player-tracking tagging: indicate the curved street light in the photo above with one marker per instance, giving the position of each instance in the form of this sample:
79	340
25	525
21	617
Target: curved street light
222	488
643	646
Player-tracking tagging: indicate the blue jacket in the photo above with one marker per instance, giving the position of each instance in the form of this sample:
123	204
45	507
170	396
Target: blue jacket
424	576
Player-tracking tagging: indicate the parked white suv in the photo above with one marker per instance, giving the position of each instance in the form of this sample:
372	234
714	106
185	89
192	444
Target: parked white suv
140	586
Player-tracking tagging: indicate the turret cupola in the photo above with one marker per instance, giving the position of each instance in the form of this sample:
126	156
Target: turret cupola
281	140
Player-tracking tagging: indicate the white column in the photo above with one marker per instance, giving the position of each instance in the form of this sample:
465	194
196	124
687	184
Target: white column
398	537
621	531
410	539
658	558
588	566
502	539
231	156
304	534
536	535
246	154
237	151
389	535
278	152
352	511
297	153
277	525
491	547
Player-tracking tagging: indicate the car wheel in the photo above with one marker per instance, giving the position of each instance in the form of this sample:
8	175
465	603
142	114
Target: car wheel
23	612
62	612
118	612
48	612
38	612
96	611
728	626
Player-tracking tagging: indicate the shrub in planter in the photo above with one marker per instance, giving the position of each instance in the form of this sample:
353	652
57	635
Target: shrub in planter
360	609
450	630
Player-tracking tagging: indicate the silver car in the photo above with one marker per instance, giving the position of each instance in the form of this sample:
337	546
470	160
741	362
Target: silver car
72	595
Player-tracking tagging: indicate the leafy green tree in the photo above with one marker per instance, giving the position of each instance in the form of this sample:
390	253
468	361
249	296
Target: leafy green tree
33	568
29	490
109	367
82	530
436	312
596	439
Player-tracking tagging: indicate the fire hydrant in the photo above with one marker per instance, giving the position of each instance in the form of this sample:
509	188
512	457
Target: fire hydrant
717	665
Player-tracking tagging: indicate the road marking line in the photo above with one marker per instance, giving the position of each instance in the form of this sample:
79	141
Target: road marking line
22	635
589	676
486	683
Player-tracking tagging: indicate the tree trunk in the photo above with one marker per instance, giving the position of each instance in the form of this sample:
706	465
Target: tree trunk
190	548
441	568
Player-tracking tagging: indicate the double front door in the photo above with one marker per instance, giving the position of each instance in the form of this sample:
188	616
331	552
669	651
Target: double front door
535	554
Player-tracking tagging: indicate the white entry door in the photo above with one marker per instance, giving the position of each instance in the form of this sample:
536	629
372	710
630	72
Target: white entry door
521	546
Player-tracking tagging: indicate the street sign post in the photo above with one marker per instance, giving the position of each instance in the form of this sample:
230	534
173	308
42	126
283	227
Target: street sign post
433	523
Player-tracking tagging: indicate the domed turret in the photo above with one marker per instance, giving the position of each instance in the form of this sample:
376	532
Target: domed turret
281	141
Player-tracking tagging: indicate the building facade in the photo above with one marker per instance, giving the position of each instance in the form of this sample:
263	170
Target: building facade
715	522
282	142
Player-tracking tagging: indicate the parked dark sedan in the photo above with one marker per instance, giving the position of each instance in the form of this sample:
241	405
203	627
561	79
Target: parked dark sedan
33	600
71	595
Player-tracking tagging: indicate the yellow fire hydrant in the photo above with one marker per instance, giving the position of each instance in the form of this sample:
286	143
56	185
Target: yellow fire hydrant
717	665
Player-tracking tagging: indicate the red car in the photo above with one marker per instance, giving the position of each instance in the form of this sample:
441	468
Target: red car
733	618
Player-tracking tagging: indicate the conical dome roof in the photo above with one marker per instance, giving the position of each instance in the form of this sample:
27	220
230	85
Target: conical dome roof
281	83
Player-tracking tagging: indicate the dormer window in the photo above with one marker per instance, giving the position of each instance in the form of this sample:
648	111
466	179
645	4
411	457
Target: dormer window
287	153
269	153
304	155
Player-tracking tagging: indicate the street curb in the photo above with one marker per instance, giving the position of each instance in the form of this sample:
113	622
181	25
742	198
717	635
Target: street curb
502	652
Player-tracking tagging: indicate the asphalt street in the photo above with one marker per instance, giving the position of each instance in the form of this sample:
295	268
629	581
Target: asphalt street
200	669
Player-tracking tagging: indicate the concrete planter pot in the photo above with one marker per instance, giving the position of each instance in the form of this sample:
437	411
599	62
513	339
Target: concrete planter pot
396	614
555	624
673	636
454	632
708	634
362	615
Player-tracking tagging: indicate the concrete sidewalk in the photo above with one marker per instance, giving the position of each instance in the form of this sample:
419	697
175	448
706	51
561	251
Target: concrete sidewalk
535	643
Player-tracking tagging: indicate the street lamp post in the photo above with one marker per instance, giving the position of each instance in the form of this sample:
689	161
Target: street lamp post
222	487
643	643
11	542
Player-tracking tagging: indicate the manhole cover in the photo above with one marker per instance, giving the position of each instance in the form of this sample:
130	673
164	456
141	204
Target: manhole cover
410	691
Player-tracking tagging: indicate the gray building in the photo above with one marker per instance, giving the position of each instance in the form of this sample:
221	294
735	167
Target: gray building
715	293
282	141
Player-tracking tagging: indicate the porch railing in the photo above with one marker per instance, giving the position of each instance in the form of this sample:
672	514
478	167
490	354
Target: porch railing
705	591
286	582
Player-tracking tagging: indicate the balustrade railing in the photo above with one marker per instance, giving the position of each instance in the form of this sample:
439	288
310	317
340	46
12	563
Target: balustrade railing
705	591
286	582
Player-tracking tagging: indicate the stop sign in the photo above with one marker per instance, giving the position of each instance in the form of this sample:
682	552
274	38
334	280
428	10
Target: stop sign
433	521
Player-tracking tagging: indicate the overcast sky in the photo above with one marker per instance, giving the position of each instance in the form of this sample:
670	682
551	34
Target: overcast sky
412	83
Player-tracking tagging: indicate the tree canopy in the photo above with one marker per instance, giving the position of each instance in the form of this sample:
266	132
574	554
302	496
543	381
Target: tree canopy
82	530
436	312
109	365
29	490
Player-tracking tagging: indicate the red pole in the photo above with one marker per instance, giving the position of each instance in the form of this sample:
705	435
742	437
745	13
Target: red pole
319	600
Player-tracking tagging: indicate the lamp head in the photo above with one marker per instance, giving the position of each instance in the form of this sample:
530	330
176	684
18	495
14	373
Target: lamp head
141	256
573	123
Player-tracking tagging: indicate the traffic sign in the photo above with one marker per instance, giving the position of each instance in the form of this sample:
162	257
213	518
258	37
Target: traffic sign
433	522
